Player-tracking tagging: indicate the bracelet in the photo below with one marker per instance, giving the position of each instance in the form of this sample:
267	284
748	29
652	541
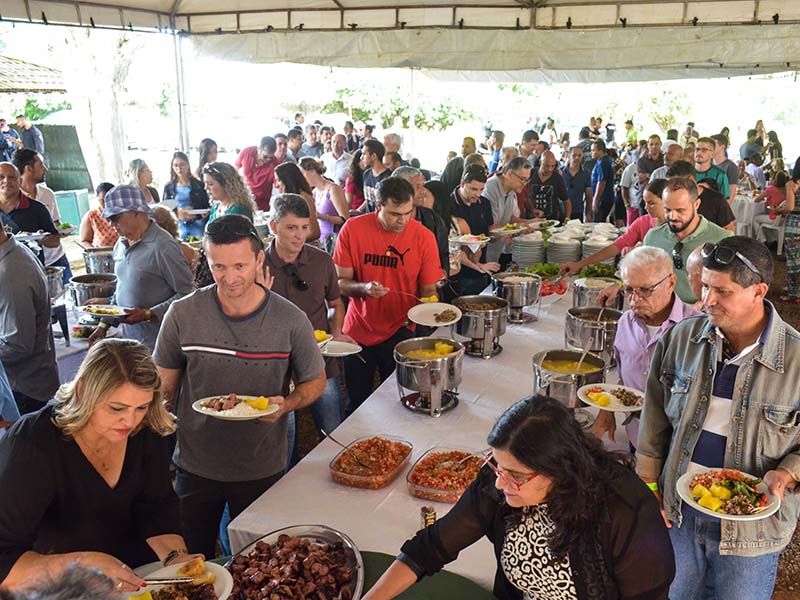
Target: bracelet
653	486
103	325
148	315
173	555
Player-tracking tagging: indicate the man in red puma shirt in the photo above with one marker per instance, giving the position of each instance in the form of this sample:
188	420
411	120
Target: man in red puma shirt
376	256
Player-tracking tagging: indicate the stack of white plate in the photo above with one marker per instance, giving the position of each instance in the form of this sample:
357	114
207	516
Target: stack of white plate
528	250
563	249
592	245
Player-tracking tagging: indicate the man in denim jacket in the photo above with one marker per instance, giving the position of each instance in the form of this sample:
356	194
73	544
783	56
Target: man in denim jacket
722	392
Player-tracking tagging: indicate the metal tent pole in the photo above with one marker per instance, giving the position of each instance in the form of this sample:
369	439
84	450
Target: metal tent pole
183	123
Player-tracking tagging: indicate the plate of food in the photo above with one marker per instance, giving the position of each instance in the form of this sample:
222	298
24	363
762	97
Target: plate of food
442	474
322	337
235	407
509	229
103	310
434	314
67	229
617	398
336	349
371	462
82	332
537	225
27	236
471	240
728	494
321	556
209	581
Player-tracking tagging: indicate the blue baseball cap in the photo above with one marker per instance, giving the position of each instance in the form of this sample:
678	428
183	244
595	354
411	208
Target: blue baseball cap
125	198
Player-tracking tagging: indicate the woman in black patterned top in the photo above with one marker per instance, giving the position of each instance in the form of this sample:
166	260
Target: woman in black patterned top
567	520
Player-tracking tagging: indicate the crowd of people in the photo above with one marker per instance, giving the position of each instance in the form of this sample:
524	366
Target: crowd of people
357	232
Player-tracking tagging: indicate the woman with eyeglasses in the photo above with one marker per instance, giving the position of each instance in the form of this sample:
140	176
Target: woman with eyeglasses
289	180
228	192
186	193
566	518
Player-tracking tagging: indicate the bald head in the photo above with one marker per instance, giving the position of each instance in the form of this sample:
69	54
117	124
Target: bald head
547	164
9	181
338	144
694	270
674	154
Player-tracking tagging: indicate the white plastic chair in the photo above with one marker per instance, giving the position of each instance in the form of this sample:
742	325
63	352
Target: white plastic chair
778	225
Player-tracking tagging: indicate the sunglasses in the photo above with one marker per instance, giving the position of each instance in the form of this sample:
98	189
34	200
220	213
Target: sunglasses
300	284
677	257
239	226
212	170
724	256
507	477
644	292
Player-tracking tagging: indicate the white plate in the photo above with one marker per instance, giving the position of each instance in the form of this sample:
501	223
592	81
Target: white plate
501	231
542	225
223	582
327	339
614	405
31	237
425	314
87	309
336	349
201	212
209	412
469	240
685	480
67	231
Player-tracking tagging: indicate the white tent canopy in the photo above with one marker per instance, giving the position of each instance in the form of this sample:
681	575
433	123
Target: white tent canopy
558	40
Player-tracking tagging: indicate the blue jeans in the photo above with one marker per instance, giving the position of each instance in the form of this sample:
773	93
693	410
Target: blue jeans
699	566
327	413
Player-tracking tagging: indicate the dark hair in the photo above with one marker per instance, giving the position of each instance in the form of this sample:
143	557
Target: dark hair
656	187
544	144
584	133
289	204
529	135
780	179
75	582
601	145
752	133
720	139
675	184
710	183
172	176
354	171
348	124
680	168
291	176
104	188
375	147
230	229
205	147
298	114
294	133
268	142
672	134
394	157
24	157
326	128
756	252
369	128
708	140
474	173
655	136
280	135
543	434
201	276
396	189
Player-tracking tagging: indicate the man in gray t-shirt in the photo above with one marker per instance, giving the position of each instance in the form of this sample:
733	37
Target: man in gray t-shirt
233	337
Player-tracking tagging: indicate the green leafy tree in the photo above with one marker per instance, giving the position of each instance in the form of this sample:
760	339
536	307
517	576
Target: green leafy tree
36	109
667	109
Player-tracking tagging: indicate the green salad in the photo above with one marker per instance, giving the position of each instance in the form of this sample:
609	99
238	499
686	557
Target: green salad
544	270
598	270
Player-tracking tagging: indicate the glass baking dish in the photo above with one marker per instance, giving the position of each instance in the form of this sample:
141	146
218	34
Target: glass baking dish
345	468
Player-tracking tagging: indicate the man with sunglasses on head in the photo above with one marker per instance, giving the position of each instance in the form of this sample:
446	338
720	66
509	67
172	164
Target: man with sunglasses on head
685	230
307	277
721	393
151	269
385	261
648	284
234	336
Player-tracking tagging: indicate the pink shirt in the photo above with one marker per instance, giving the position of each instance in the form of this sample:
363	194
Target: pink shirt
635	233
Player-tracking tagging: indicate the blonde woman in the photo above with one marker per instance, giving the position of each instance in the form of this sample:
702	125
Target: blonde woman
165	219
329	199
86	479
140	176
227	191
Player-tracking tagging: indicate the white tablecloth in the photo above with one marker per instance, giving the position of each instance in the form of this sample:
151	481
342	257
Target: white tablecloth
381	520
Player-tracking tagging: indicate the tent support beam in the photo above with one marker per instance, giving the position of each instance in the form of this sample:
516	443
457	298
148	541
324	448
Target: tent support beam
183	124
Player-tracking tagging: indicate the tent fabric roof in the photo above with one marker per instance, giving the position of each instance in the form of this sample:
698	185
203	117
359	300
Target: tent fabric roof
20	76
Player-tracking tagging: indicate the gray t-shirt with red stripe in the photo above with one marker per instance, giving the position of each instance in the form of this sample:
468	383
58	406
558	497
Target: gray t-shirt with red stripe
254	355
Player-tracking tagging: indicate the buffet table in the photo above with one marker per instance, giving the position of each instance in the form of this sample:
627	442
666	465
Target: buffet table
381	520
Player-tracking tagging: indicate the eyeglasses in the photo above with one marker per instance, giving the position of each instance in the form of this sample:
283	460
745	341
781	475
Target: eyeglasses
724	255
644	292
233	224
507	477
702	149
677	257
300	284
520	177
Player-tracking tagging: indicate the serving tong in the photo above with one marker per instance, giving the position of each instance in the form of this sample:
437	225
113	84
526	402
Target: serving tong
350	450
167	580
448	464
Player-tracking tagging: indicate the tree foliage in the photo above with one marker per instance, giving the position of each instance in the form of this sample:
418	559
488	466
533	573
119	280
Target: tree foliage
394	107
667	109
37	108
